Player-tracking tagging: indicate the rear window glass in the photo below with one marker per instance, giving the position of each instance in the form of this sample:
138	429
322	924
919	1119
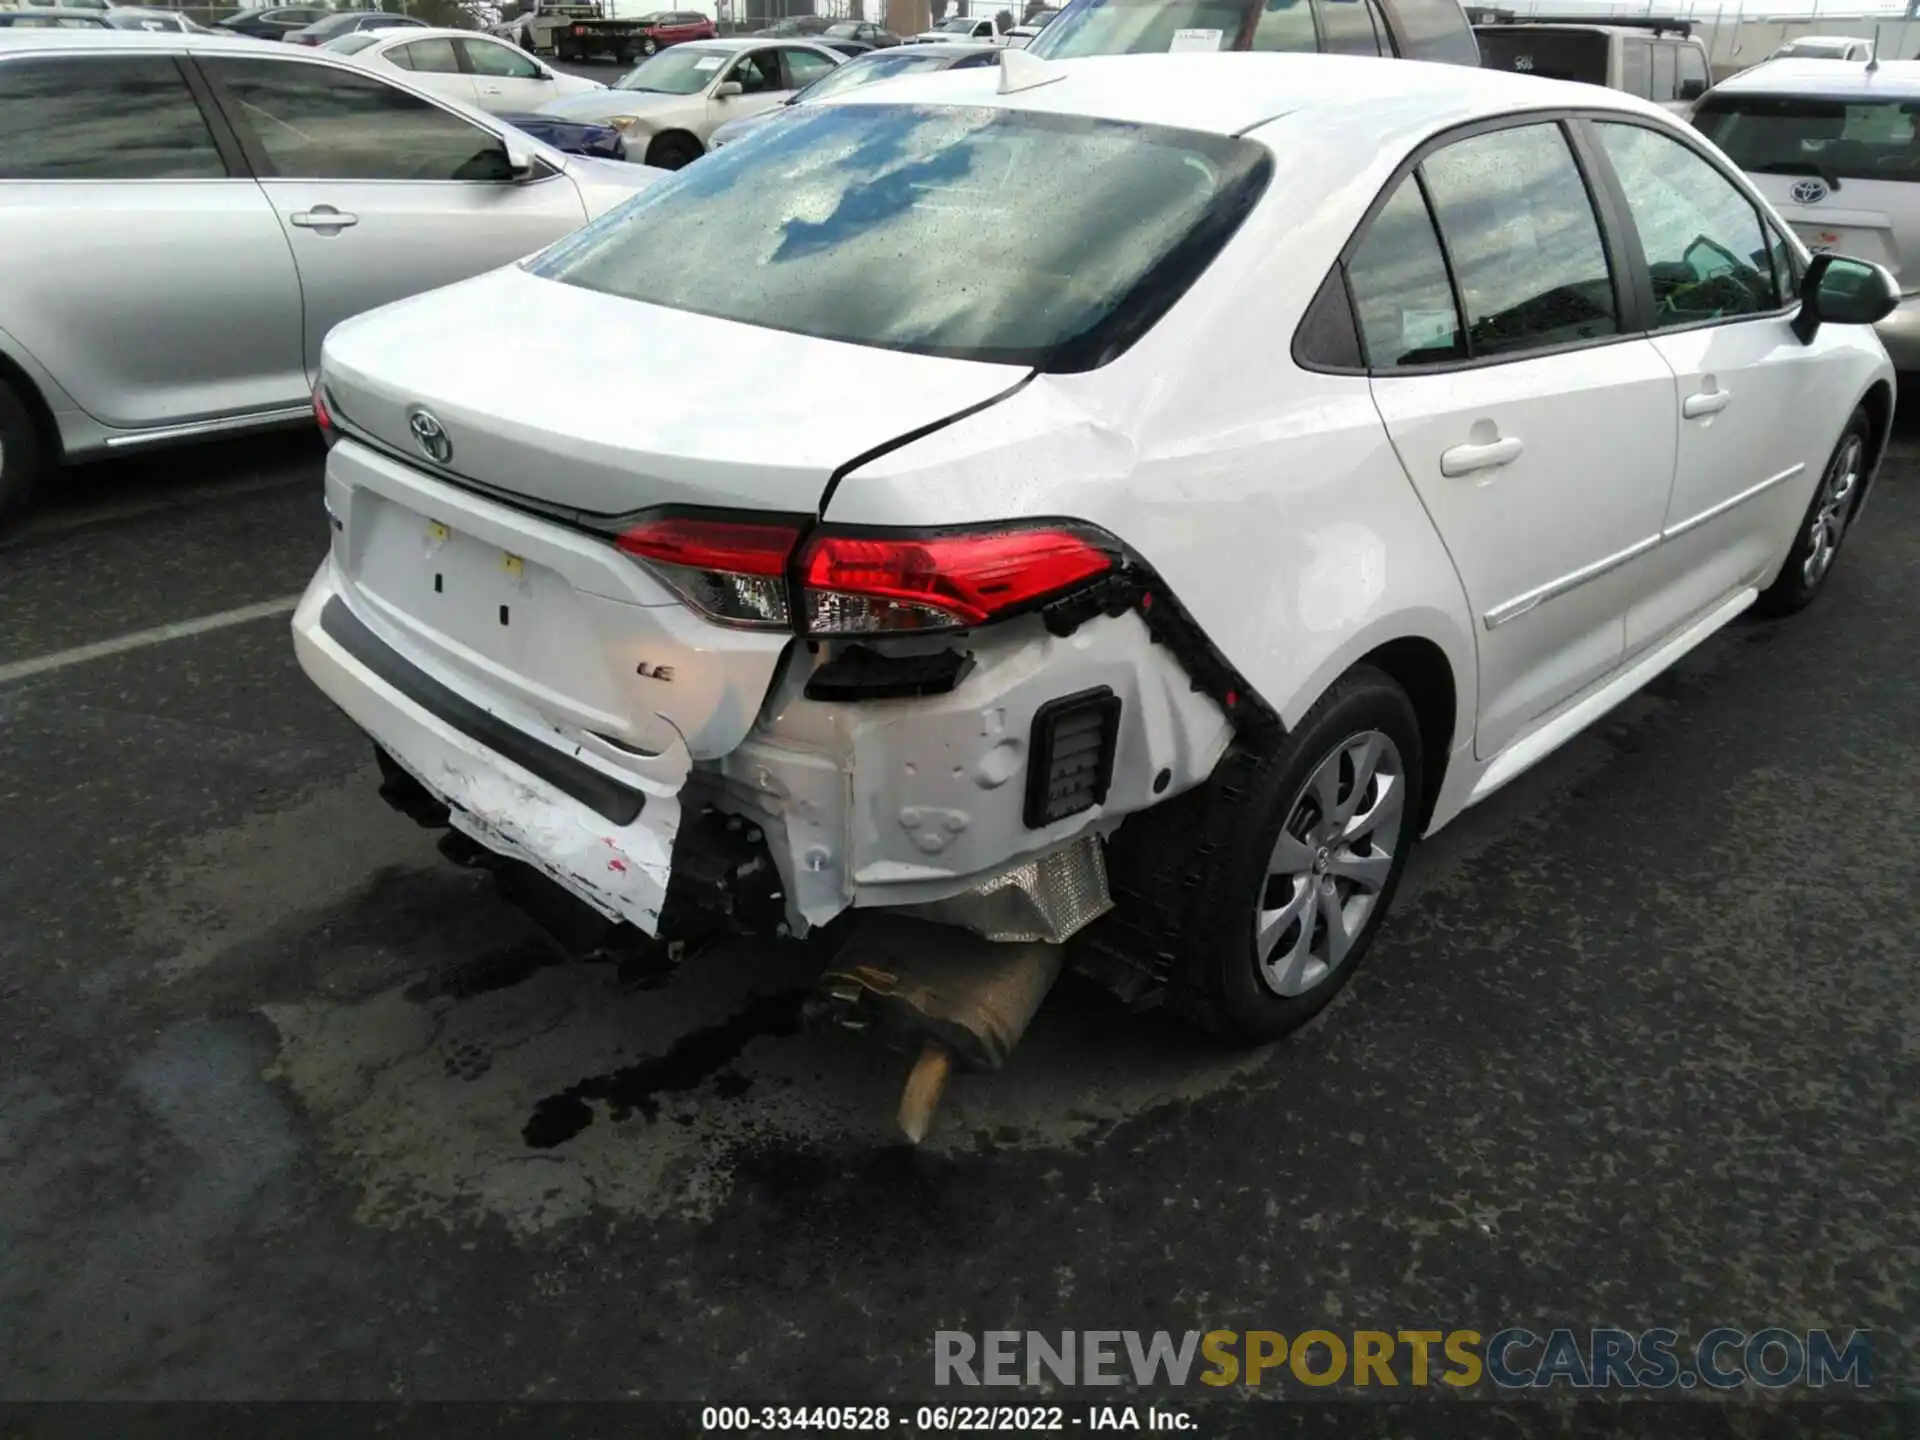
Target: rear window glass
1800	135
1551	54
1064	237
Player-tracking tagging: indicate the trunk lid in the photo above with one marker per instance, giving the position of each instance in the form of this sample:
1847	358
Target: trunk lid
606	405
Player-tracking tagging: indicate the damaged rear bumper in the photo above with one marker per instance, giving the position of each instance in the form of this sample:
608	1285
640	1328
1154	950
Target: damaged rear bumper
606	837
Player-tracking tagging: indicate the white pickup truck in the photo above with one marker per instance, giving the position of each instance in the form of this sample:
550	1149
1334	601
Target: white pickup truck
988	29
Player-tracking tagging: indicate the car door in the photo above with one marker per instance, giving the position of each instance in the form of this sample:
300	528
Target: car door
435	65
381	192
144	269
762	86
1718	287
505	79
1536	429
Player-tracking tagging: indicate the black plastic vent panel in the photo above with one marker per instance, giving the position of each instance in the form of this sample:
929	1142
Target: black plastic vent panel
1070	759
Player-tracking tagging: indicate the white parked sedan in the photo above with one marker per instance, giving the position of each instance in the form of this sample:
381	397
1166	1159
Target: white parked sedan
666	108
463	65
1306	447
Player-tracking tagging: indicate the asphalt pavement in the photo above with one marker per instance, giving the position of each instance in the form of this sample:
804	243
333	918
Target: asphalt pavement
1640	1046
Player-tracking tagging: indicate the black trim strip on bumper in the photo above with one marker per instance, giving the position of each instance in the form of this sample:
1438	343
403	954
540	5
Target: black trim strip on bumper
603	795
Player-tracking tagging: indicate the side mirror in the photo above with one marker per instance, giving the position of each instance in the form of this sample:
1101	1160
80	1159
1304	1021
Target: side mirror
1841	291
1691	89
727	89
519	161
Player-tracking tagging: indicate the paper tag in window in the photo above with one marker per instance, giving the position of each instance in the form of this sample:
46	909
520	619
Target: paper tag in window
1425	329
709	62
1184	40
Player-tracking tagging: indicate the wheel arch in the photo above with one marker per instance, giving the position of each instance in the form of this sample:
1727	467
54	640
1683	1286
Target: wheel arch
1421	669
1878	403
21	381
1430	654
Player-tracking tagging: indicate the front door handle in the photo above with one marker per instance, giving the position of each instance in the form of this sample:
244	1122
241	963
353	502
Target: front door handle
323	218
1465	459
1705	402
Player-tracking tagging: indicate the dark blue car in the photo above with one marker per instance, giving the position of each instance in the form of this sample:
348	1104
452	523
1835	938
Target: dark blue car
575	137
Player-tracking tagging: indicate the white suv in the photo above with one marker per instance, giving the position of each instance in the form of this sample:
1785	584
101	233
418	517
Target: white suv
1301	448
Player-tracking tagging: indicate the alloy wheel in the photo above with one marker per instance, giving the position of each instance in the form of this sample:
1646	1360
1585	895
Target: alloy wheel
1830	515
1332	860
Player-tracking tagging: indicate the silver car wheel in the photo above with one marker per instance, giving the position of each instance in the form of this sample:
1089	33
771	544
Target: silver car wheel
1830	514
1332	860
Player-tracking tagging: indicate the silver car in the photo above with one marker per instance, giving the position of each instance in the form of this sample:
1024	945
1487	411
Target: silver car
200	210
1835	145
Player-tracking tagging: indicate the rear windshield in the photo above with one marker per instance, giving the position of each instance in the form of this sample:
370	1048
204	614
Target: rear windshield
1550	54
350	44
1008	236
1801	135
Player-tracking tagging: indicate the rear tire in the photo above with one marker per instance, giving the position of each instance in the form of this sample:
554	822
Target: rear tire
1817	540
649	47
22	455
1304	865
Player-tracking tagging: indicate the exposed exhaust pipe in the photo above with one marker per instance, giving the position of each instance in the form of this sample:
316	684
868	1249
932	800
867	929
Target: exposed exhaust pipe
938	992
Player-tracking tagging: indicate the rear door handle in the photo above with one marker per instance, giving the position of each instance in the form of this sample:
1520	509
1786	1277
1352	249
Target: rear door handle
1705	402
1465	459
323	217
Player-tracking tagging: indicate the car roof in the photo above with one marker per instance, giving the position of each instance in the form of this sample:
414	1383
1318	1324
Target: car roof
56	12
953	49
214	43
401	33
1827	79
1367	102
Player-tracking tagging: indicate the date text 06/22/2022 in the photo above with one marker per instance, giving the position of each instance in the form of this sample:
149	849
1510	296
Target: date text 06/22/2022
938	1419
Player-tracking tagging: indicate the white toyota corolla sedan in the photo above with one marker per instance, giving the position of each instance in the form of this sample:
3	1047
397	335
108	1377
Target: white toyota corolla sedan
1129	498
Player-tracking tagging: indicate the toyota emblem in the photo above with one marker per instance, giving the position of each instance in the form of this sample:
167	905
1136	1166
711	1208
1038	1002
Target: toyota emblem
431	436
1809	192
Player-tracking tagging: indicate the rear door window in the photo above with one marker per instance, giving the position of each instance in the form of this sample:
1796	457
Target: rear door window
1348	27
118	117
1525	244
429	57
805	66
1664	71
1636	68
1398	278
1285	25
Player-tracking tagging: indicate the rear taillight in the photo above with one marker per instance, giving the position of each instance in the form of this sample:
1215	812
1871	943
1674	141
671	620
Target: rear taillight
876	583
869	583
322	416
729	570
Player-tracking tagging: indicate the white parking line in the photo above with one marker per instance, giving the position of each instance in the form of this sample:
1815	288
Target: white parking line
140	639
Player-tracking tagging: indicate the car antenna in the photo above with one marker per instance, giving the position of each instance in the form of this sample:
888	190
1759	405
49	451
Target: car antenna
1021	71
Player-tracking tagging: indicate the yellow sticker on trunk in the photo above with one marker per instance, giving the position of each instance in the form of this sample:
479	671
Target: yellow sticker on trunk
436	531
512	564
